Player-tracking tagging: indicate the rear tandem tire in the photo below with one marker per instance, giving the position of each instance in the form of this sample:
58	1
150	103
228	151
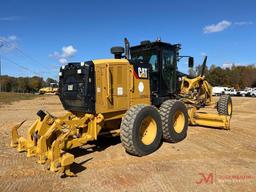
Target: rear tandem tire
174	117
224	105
141	130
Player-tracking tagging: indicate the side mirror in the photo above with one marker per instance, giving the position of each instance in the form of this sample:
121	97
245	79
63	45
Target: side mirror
191	62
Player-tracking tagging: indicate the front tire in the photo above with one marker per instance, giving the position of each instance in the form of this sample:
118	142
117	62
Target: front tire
224	105
141	130
174	117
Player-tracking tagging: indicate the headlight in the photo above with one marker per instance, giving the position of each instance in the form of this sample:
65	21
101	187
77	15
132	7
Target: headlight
63	66
82	64
60	73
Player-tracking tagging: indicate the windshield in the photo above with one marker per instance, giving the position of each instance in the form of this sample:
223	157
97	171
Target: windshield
149	56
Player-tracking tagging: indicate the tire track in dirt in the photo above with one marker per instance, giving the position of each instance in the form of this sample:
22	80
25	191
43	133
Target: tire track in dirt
174	167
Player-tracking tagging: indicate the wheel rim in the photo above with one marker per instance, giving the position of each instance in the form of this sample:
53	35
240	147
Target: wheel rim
148	130
178	121
229	108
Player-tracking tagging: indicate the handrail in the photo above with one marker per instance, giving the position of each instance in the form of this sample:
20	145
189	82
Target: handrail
108	78
131	80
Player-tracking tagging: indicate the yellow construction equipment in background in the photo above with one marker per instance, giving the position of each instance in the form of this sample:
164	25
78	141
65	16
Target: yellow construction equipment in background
138	98
52	89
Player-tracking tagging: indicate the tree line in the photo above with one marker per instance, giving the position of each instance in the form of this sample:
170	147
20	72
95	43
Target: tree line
238	77
24	84
235	76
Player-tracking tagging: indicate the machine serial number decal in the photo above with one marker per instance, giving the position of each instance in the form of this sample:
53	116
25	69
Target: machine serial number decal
120	91
70	87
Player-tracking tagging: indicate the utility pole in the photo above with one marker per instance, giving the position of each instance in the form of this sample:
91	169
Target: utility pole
1	45
0	74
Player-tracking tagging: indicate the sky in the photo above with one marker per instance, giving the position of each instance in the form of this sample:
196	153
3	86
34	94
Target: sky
37	37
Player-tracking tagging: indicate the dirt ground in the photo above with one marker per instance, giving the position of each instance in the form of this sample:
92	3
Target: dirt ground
207	160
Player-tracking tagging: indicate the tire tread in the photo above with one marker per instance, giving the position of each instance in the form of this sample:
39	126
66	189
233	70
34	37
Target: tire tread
164	113
222	107
127	127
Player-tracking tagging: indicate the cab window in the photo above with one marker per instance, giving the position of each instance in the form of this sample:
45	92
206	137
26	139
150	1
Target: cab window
153	62
168	68
147	56
168	57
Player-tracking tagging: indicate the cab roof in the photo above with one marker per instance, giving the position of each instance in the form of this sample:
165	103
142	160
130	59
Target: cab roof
149	45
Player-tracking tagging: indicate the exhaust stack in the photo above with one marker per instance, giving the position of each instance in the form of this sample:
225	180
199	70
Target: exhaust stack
126	48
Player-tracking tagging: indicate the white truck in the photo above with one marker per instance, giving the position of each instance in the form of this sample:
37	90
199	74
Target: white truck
253	92
246	92
218	90
230	91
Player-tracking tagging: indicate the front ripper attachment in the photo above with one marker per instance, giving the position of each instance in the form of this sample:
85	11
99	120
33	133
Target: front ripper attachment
15	136
49	138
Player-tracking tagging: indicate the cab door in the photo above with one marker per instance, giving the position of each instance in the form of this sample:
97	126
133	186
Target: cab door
169	64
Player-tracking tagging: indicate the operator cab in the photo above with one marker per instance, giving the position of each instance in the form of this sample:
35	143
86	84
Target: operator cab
163	60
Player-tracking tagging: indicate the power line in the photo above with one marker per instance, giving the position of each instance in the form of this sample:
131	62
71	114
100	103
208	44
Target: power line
28	56
21	66
4	42
21	52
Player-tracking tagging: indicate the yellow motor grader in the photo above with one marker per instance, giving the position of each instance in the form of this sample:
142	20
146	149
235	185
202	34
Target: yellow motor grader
136	95
52	89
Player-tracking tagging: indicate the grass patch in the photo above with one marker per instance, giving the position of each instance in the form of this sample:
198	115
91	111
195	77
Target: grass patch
8	97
